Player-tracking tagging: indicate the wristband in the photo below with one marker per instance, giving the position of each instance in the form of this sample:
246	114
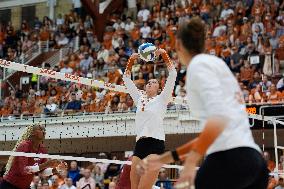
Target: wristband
175	155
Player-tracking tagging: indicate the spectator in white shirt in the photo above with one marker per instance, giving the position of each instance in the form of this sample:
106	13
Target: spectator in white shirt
66	68
180	86
87	180
259	24
116	41
51	106
226	12
118	23
145	30
77	6
129	25
59	20
265	84
219	29
132	9
68	184
86	62
103	53
62	40
280	84
144	13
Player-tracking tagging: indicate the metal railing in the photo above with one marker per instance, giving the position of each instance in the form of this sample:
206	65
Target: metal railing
28	56
72	46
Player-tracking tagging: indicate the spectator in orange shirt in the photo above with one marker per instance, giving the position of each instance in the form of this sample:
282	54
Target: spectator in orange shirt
156	31
135	33
39	108
258	8
113	74
274	96
246	73
44	34
73	62
6	109
270	163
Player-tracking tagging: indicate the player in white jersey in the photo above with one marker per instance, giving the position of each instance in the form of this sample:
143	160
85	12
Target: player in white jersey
151	109
233	160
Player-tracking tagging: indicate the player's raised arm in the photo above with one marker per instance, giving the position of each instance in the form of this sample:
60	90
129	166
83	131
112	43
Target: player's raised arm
170	83
131	88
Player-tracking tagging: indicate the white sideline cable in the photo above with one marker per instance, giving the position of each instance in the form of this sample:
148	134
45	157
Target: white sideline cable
68	77
72	158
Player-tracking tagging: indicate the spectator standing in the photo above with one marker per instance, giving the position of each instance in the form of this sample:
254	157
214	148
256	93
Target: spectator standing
144	13
132	9
145	30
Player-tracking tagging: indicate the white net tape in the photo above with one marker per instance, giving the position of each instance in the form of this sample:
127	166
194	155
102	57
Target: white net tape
72	158
67	77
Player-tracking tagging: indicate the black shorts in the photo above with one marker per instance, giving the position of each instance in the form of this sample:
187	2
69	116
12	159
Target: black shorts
239	168
147	146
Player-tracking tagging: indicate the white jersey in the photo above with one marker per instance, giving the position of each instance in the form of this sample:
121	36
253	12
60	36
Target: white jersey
149	117
213	91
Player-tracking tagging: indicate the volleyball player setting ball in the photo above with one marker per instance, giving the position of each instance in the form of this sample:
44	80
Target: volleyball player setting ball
233	160
151	109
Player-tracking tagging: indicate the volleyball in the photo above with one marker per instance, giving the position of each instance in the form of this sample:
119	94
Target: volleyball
147	51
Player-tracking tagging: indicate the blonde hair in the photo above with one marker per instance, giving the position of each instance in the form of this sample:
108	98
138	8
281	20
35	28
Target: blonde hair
26	135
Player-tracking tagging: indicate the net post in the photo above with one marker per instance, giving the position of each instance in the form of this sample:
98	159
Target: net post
275	145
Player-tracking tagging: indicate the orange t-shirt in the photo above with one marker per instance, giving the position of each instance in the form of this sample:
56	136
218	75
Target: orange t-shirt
226	52
135	34
205	9
275	98
196	1
107	40
2	37
246	74
44	35
271	165
73	64
114	77
257	10
5	111
245	29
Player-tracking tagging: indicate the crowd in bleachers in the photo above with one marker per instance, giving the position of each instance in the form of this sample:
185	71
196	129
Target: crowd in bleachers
248	35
